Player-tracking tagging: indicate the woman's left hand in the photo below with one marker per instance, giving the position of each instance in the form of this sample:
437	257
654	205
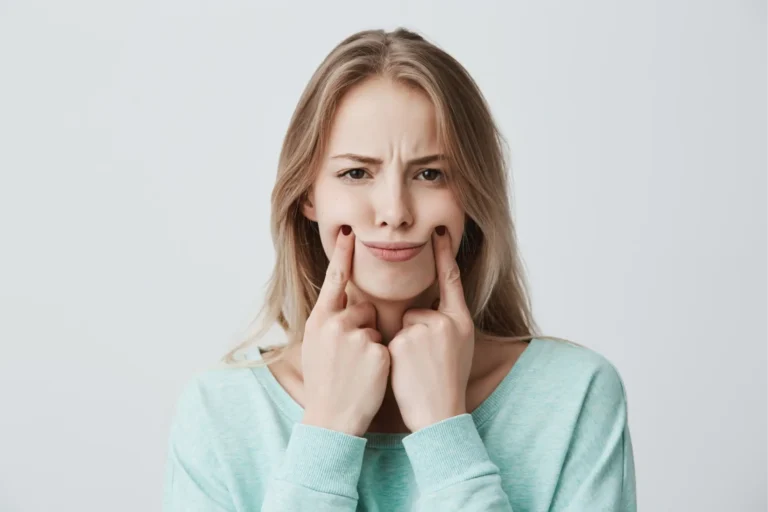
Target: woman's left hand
431	357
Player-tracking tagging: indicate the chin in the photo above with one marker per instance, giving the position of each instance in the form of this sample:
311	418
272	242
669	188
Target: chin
392	288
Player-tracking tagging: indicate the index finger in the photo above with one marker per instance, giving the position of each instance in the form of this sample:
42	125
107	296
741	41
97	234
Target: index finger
448	274
331	296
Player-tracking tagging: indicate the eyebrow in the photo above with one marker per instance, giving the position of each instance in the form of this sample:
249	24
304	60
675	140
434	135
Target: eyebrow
371	160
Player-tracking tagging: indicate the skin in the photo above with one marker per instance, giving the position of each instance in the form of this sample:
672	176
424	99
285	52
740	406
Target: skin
431	357
420	308
391	201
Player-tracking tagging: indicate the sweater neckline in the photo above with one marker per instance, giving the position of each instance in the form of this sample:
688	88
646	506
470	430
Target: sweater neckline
386	440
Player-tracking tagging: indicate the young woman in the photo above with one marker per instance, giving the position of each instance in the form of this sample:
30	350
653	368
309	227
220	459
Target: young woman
412	377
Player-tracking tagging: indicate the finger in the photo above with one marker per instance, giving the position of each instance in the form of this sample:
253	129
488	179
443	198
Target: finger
448	274
362	314
419	316
373	335
331	297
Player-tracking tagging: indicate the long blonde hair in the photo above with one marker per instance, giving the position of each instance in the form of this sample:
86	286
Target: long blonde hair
491	269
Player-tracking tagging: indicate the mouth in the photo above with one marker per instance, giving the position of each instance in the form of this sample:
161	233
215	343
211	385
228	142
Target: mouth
394	252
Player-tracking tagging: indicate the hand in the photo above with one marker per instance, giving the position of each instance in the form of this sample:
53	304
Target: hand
345	365
432	355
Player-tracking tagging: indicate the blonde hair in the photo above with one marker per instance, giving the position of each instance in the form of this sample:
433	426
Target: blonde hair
491	268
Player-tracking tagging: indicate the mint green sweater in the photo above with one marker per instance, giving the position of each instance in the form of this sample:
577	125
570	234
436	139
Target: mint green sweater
553	436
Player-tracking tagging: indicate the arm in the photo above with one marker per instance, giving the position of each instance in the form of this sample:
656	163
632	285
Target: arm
453	470
319	471
599	471
192	470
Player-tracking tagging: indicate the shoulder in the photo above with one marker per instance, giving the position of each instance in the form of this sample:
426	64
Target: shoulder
585	415
578	372
211	396
574	361
212	385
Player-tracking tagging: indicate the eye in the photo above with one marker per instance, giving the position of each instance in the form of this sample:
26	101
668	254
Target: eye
437	173
347	174
357	174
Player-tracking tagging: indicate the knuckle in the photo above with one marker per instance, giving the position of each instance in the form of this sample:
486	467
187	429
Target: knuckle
380	351
381	355
453	274
373	336
335	326
361	336
334	275
394	347
398	344
443	323
366	307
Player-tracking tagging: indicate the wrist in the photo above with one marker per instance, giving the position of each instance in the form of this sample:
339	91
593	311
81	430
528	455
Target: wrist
337	425
437	418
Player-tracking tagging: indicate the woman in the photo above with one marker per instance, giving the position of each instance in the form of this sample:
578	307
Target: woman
412	378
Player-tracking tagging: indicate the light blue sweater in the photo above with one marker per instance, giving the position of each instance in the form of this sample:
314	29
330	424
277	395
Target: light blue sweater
553	436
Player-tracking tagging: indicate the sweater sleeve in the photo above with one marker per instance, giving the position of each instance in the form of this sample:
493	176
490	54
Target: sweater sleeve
453	470
598	471
319	472
193	480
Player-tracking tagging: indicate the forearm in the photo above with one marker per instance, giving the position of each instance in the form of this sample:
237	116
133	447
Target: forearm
319	472
453	470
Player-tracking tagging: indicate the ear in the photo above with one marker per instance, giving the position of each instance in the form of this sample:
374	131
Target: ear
308	207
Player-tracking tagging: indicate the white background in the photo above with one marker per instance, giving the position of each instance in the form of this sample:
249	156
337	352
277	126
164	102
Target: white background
138	149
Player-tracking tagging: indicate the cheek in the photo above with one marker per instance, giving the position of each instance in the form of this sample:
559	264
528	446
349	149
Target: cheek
456	230
332	214
445	213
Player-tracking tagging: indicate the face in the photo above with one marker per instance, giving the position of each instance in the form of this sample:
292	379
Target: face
376	178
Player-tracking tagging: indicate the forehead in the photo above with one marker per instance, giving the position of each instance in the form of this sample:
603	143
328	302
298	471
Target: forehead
380	115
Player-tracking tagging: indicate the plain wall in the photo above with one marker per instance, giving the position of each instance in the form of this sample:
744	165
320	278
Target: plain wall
138	149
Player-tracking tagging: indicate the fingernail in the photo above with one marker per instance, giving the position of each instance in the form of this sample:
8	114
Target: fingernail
346	229
440	230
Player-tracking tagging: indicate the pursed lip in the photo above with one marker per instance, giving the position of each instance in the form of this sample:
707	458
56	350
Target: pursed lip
402	251
393	246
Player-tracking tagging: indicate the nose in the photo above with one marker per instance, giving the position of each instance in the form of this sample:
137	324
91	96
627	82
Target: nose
392	201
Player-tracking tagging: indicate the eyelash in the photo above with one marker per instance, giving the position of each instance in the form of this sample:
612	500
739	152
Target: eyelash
344	176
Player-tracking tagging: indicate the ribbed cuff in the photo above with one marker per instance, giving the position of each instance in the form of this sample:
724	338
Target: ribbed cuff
447	452
324	460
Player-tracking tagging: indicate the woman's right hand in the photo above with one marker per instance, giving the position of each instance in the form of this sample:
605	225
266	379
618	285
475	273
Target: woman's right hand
345	366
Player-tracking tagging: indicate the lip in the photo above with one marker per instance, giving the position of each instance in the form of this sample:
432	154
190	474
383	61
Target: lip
394	251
